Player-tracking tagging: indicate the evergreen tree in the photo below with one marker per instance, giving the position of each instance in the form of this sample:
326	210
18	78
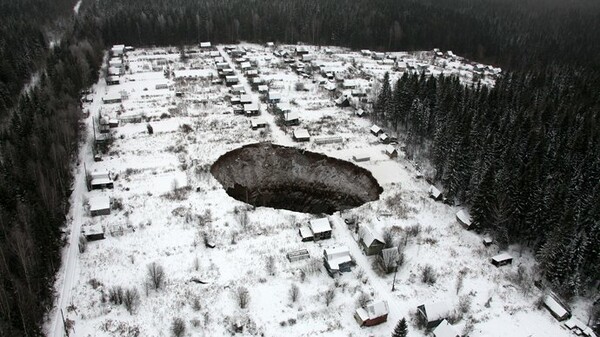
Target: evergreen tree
401	329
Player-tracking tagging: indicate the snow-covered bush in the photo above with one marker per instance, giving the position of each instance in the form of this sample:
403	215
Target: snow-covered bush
155	276
294	293
178	327
242	297
428	275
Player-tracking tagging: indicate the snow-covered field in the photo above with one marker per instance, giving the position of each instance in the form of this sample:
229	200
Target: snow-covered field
166	206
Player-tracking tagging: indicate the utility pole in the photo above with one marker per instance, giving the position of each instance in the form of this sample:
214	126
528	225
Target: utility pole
394	282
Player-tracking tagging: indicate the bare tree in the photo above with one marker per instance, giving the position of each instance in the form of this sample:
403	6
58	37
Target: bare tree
390	259
294	293
242	296
329	296
428	275
178	327
363	299
131	300
242	218
156	276
270	265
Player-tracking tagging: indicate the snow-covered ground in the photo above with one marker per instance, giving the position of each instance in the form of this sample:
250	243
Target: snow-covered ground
150	223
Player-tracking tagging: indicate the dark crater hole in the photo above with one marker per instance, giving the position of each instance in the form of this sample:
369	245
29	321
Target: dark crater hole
265	174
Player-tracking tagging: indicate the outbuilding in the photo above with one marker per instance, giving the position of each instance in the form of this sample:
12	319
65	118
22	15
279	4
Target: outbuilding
391	151
337	260
112	98
321	228
375	130
93	232
100	180
257	123
557	308
463	218
373	314
274	97
291	118
371	242
333	139
99	205
361	157
445	330
251	109
501	259
434	193
434	313
301	135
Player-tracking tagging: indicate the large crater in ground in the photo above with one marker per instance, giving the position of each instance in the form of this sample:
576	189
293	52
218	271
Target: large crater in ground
265	174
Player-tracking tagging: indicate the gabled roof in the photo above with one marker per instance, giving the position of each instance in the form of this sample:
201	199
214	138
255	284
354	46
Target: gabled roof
434	192
436	310
99	203
291	116
501	257
464	217
301	133
554	306
445	330
375	129
369	236
389	149
320	225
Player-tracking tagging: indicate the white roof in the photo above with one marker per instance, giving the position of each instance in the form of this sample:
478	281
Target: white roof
383	136
257	121
301	133
436	310
445	330
305	232
99	203
501	257
251	107
463	216
375	129
231	78
205	44
369	235
574	323
337	256
588	332
320	225
389	149
246	98
433	191
373	310
245	65
554	306
111	97
290	116
274	95
263	88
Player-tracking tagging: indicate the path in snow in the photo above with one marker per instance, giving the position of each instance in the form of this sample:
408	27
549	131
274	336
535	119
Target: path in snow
279	137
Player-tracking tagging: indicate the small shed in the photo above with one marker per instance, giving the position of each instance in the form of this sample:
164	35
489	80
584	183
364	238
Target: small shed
463	218
371	242
435	194
375	130
321	228
111	98
434	313
100	205
231	80
297	255
100	180
251	109
487	241
557	308
373	314
257	123
361	157
274	97
306	234
384	138
301	135
263	88
205	45
113	80
245	99
93	232
501	259
391	151
337	260
291	118
445	330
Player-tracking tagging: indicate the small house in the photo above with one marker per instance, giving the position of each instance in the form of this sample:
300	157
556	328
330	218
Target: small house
445	330
263	88
205	45
349	84
274	97
337	260
371	242
103	125
487	241
306	234
251	109
99	205
257	123
238	89
301	135
245	99
557	308
391	151
112	98
93	232
117	50
373	314
321	228
464	219
375	130
365	52
384	138
245	65
251	73
291	118
270	44
113	80
434	193
361	157
298	255
222	65
378	56
360	113
434	313
100	180
501	260
301	50
231	80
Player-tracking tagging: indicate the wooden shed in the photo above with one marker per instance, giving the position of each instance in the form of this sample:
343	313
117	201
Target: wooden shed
557	308
375	130
391	151
501	259
464	218
445	330
373	314
371	242
436	194
434	313
301	135
100	205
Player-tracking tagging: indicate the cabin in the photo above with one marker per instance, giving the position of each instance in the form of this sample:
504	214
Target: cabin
557	308
337	260
333	139
301	135
274	97
301	50
501	260
361	157
384	138
238	89
373	314
113	80
251	109
231	80
487	241
257	123
378	56
391	151
305	234
99	206
222	65
251	73
370	242
464	219
445	330
349	84
245	99
93	232
100	180
117	50
433	313
291	118
434	193
388	259
245	65
103	125
270	44
308	57
263	88
298	255
578	328
375	130
320	228
111	99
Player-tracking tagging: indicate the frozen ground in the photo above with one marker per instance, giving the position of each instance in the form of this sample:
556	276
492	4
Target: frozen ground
169	202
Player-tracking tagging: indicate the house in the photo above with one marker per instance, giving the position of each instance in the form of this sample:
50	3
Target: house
238	89
291	118
251	109
93	232
308	57
557	308
257	123
231	80
297	255
113	123
103	125
283	107
301	135
274	97
245	99
205	45
263	88
301	50
252	73
463	218
100	205
115	63
349	84
270	44
320	228
578	328
361	157
360	112
337	260
378	56
501	259
433	313
112	98
375	130
434	193
445	330
365	52
113	80
388	259
384	138
222	65
487	241
391	151
371	242
245	65
100	180
117	50
112	71
333	139
373	314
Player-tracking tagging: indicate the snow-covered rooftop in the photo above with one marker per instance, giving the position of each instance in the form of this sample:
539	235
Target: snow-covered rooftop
320	225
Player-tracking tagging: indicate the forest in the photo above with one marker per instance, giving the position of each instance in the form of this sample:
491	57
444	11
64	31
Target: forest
523	155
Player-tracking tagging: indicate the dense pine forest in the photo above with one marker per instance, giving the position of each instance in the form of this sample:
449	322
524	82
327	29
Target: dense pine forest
523	155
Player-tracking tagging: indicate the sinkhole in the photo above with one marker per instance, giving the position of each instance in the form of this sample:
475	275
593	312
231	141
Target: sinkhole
265	174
